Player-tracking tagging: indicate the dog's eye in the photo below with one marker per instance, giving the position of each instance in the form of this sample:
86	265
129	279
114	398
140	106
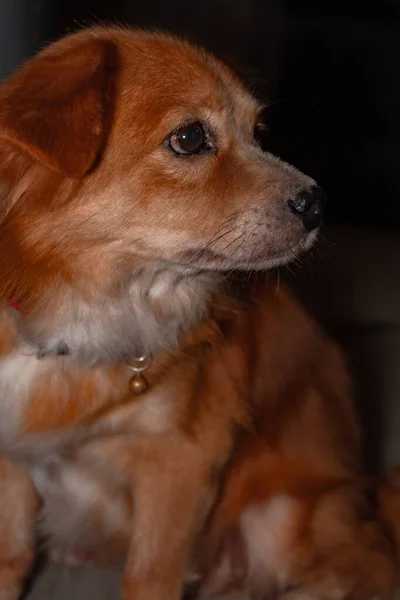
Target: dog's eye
189	139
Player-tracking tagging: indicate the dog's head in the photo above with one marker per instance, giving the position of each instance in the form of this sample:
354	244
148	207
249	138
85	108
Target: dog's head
124	154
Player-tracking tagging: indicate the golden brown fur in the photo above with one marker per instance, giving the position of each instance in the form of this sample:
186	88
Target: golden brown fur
240	464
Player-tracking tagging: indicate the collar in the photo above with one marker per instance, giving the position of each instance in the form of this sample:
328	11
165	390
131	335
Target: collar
138	382
13	304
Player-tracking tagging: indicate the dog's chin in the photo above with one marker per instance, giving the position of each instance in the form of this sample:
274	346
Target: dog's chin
263	260
287	256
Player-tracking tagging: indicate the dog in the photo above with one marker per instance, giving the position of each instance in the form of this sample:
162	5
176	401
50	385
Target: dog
160	406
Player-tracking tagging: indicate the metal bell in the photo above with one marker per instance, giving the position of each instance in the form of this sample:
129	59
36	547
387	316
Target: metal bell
138	383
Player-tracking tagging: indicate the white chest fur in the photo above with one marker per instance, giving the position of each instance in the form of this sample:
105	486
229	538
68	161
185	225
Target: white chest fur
20	372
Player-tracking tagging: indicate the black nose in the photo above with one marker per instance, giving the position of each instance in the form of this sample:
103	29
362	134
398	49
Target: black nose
309	206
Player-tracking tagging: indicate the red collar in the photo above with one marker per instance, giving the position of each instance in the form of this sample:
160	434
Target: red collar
13	303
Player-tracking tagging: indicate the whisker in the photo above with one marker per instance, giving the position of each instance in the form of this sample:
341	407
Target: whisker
219	234
278	279
200	252
223	251
289	268
325	241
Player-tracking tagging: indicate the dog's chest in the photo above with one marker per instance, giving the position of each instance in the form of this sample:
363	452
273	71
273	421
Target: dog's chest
39	398
18	373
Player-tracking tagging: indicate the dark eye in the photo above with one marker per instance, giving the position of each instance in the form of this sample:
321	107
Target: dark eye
189	139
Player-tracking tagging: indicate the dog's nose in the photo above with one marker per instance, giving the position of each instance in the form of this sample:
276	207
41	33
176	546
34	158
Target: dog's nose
309	206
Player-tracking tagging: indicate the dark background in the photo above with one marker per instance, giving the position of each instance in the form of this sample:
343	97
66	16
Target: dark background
330	73
330	70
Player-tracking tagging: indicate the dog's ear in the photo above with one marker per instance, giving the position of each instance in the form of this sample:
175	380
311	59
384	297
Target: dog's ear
58	106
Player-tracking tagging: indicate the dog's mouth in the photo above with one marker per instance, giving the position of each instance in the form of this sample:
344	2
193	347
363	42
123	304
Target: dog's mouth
258	260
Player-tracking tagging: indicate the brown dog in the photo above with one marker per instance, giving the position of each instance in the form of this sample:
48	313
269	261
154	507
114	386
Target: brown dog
138	383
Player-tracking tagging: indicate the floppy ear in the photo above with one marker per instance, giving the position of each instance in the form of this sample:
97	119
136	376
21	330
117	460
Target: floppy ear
58	106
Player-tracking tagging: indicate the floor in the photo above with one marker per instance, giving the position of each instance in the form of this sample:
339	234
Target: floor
63	583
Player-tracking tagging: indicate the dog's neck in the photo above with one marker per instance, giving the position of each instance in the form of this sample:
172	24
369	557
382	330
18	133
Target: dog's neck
148	315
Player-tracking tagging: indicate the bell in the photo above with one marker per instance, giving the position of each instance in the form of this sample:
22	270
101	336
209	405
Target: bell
138	384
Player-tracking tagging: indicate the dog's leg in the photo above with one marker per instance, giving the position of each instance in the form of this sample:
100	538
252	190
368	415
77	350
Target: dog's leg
19	504
172	494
